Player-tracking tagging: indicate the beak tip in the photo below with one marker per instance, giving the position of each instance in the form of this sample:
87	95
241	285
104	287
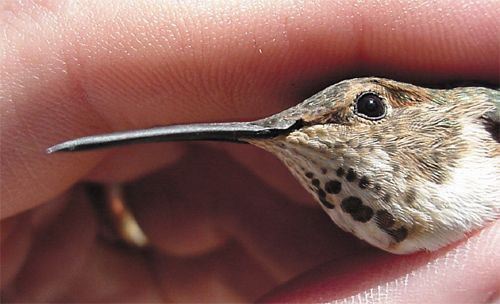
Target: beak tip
57	148
51	150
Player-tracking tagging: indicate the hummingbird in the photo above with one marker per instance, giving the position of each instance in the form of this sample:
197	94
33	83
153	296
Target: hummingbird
402	167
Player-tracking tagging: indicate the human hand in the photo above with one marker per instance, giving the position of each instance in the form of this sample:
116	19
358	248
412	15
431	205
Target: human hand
227	222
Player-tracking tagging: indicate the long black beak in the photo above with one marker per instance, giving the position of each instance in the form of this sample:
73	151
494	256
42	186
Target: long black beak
231	132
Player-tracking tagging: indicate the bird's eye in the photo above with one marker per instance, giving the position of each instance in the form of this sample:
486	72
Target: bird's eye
370	106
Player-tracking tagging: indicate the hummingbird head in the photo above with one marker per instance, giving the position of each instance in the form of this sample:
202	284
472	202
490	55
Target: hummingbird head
403	167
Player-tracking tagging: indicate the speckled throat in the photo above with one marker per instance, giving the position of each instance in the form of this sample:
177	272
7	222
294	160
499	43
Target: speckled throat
402	167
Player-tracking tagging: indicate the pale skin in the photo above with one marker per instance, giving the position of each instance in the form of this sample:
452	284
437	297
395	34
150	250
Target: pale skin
72	71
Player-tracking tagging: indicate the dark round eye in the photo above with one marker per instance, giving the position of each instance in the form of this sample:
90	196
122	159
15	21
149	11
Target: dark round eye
370	106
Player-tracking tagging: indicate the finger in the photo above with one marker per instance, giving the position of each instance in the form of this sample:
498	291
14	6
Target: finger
203	239
57	254
17	236
14	249
270	170
228	274
112	275
149	64
184	217
462	273
136	161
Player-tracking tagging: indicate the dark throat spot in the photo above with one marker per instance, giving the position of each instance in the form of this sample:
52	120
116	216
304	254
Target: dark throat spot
351	175
354	206
333	187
